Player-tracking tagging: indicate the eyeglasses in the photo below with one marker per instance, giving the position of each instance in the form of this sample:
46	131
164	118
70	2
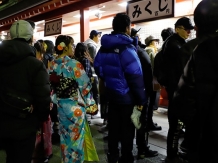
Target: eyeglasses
187	30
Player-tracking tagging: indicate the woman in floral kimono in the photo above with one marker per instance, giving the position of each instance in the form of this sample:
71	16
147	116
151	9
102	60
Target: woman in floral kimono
72	94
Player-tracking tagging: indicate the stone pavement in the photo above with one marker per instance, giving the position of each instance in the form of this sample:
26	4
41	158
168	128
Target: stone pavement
98	132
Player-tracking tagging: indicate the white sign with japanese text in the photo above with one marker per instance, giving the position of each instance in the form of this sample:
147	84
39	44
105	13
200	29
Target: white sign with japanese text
145	10
53	27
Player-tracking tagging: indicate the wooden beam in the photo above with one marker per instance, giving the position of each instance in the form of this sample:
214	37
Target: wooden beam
19	7
55	13
67	9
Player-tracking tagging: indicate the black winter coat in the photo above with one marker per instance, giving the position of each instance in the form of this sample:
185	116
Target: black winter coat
206	76
24	74
202	95
188	48
172	59
146	69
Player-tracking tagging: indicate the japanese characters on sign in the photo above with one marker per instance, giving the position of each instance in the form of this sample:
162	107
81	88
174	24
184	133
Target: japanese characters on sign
145	10
53	27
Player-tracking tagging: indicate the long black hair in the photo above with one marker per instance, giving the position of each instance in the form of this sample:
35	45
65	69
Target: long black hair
39	47
80	50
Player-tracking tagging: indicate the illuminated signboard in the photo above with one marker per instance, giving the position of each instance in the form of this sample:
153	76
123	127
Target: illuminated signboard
53	27
146	10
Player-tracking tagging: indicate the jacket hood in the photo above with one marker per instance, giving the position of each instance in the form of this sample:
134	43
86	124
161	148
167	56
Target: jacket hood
113	40
12	51
90	41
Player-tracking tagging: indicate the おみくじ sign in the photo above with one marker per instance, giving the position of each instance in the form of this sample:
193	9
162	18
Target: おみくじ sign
146	10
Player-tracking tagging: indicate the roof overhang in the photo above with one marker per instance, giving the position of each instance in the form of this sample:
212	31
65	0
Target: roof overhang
38	10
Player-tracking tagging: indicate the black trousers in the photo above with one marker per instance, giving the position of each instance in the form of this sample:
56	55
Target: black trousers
19	151
104	106
202	139
140	133
152	101
120	129
54	113
192	135
95	90
174	129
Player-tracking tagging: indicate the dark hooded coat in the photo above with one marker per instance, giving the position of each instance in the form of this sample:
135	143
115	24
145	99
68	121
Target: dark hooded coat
25	77
197	98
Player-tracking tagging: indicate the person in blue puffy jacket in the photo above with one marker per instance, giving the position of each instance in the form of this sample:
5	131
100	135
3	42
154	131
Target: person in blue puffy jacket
118	65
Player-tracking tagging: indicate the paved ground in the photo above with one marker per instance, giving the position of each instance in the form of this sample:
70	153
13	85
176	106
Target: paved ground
98	132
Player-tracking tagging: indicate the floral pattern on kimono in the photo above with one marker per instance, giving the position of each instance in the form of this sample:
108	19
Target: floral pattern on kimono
70	83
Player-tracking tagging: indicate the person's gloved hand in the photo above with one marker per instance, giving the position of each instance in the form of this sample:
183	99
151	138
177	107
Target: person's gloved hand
135	117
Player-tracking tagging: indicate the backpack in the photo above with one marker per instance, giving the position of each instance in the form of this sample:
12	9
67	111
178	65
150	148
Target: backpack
159	70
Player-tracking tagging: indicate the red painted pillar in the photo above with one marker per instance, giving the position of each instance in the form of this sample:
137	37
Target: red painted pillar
84	24
163	102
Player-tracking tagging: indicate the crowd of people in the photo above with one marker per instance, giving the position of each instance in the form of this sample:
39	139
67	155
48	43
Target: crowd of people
48	89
